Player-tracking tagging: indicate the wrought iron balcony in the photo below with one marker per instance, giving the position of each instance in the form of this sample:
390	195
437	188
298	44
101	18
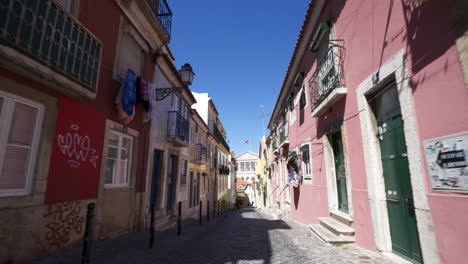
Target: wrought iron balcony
45	33
327	77
274	144
200	153
163	12
224	170
218	135
178	128
284	134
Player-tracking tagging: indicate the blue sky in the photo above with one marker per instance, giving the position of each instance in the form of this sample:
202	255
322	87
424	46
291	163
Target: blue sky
239	51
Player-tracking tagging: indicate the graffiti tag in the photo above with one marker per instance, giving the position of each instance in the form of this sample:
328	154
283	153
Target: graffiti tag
77	148
62	220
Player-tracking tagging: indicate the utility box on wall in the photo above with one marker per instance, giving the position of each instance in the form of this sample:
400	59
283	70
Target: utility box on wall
447	165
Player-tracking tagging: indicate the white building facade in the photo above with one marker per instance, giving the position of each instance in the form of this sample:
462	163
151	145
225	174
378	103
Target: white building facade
246	164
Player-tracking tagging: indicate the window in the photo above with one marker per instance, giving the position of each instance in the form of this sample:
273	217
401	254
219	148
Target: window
302	100
196	190
130	52
184	173
118	161
293	112
20	122
306	164
283	115
191	190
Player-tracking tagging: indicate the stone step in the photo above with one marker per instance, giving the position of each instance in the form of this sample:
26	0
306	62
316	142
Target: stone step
170	224
336	226
328	236
161	221
342	217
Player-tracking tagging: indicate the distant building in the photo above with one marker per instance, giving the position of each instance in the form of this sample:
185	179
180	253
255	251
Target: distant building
245	192
246	164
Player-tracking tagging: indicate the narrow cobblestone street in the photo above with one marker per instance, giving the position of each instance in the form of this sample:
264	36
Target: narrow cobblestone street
246	236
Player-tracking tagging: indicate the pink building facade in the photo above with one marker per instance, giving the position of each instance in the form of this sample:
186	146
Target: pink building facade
368	134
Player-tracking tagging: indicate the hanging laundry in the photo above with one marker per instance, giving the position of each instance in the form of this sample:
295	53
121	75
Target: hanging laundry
145	96
123	115
144	90
151	100
139	97
128	97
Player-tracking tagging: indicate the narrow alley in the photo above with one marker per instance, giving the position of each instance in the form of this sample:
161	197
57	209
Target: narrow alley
239	237
338	129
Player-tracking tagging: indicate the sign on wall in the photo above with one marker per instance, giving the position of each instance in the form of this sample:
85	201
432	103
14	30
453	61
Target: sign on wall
76	153
447	162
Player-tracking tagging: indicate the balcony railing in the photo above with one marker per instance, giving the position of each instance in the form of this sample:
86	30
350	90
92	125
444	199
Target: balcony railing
47	34
178	126
200	153
163	12
274	144
328	76
284	133
218	135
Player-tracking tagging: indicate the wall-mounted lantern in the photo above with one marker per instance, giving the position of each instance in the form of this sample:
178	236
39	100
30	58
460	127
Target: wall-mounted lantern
186	75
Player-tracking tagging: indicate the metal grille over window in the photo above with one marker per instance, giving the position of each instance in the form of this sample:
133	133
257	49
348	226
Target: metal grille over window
44	32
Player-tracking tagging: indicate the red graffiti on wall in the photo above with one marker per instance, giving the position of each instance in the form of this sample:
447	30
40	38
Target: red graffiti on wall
62	220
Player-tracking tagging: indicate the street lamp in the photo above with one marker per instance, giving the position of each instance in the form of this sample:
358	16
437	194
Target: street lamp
186	75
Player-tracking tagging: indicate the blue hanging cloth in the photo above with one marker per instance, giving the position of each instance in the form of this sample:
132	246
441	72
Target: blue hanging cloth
129	92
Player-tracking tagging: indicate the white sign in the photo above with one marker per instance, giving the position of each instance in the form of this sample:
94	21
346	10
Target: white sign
447	162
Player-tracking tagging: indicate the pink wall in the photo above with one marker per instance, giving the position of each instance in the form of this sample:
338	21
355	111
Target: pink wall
373	32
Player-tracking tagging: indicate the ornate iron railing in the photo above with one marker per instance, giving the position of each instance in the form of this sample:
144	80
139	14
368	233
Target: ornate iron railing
284	132
328	76
178	126
200	153
44	32
218	135
163	12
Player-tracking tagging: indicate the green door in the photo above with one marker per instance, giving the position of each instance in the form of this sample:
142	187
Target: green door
400	203
337	145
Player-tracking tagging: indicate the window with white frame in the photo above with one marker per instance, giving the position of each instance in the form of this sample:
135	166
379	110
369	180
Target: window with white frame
302	99
184	172
118	161
293	112
306	164
20	122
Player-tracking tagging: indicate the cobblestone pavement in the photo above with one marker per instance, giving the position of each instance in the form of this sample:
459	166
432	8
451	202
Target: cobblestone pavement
243	237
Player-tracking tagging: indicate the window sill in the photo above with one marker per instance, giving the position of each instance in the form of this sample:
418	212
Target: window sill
111	187
13	193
